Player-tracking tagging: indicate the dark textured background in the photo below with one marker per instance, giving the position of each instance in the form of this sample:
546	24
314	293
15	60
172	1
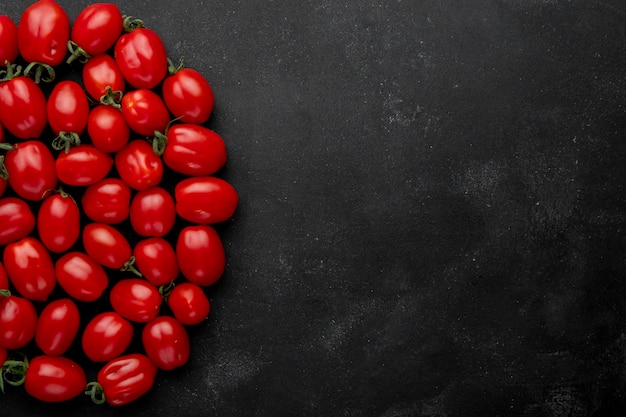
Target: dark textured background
432	218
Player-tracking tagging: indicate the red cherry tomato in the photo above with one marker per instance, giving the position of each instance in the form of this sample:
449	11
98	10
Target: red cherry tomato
126	378
166	342
200	254
106	336
194	150
30	269
152	212
156	259
31	170
136	299
18	321
188	95
107	201
100	73
8	40
43	33
58	222
145	112
189	303
16	218
97	27
67	110
54	379
107	128
138	165
205	200
22	106
83	165
142	57
80	276
106	245
57	326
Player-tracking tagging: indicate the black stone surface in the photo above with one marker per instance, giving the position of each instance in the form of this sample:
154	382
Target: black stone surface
432	216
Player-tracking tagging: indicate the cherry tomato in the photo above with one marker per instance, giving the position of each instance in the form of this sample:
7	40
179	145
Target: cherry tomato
68	108
107	201
97	27
189	303
16	218
107	128
106	245
83	165
22	106
101	72
126	378
194	150
8	40
200	254
58	222
142	57
30	269
43	33
145	112
31	169
188	95
138	165
107	336
152	212
156	259
18	321
54	379
57	326
136	299
80	276
166	343
4	279
205	200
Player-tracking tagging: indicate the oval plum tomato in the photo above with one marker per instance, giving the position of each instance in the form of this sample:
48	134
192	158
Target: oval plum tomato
68	109
80	276
145	112
102	76
106	336
96	29
107	245
57	326
54	379
18	321
188	95
205	200
136	299
124	379
30	269
141	56
107	128
16	218
43	32
22	106
194	150
200	254
166	342
156	260
107	201
58	222
83	165
189	303
152	212
31	170
8	40
138	165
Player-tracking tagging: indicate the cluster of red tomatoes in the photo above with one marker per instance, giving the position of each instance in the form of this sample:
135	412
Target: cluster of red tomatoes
82	198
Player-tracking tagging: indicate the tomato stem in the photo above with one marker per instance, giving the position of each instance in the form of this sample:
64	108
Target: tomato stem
12	71
38	69
130	267
4	174
77	52
95	391
173	69
5	293
166	289
131	23
14	372
65	140
159	142
111	98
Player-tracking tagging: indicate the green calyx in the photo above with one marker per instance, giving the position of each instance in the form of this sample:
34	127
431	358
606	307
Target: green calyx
112	98
11	71
130	267
14	372
65	141
37	70
131	23
76	52
95	392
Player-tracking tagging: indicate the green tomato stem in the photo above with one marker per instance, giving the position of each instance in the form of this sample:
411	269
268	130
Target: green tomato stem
95	392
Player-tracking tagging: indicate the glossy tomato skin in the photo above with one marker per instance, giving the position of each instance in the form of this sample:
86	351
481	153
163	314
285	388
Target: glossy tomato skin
155	258
152	212
194	150
16	218
80	276
107	201
101	72
68	108
200	254
31	169
57	326
54	378
189	303
142	58
23	110
106	245
205	200
30	269
145	112
18	321
166	343
188	96
97	27
58	222
8	40
138	165
107	128
126	378
82	165
106	336
43	33
136	299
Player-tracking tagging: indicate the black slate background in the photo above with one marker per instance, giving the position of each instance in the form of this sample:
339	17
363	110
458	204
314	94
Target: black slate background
432	217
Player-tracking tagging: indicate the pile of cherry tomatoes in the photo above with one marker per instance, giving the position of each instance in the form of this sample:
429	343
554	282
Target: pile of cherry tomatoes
97	252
